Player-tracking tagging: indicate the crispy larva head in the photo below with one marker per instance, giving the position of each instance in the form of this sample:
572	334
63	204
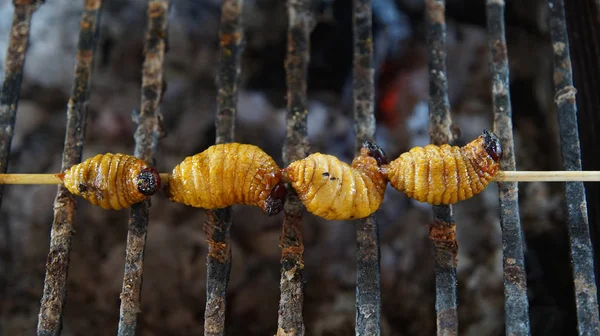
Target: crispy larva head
492	145
376	152
276	200
148	181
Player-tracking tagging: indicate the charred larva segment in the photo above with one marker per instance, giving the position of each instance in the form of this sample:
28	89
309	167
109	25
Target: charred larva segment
446	174
112	181
335	190
227	174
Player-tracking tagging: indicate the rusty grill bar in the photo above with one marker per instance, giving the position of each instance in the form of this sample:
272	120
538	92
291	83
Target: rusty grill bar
582	254
443	230
218	222
516	306
290	320
57	264
368	285
146	140
301	23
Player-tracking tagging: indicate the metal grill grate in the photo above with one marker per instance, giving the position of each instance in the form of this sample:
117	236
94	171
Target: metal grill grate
146	140
291	302
515	282
443	230
218	221
57	264
577	222
368	300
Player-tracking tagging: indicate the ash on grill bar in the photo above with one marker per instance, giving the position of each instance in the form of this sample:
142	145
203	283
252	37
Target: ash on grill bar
403	91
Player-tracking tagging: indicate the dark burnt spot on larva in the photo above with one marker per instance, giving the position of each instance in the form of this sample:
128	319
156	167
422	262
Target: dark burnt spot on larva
376	152
326	174
82	188
276	199
148	181
86	189
492	145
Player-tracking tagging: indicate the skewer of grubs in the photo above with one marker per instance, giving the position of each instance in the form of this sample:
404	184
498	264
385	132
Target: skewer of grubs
501	176
235	173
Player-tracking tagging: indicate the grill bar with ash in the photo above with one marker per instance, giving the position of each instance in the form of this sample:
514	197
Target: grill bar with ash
218	222
368	282
13	76
516	305
443	230
579	232
57	264
290	318
146	140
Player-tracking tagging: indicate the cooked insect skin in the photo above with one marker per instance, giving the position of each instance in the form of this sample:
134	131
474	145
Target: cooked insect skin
334	190
446	174
112	181
227	174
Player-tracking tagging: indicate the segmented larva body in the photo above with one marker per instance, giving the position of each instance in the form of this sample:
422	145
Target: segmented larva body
334	190
446	174
112	181
227	174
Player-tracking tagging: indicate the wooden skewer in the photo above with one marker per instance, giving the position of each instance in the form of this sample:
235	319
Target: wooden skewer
548	176
504	176
45	178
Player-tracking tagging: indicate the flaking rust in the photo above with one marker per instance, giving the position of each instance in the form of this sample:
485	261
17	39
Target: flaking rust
218	250
442	231
443	236
218	222
300	23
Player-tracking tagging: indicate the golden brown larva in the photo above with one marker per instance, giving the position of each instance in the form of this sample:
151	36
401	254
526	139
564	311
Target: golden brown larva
334	190
446	174
227	174
112	181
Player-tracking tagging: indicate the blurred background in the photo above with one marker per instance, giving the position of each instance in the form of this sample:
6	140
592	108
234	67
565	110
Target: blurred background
173	296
